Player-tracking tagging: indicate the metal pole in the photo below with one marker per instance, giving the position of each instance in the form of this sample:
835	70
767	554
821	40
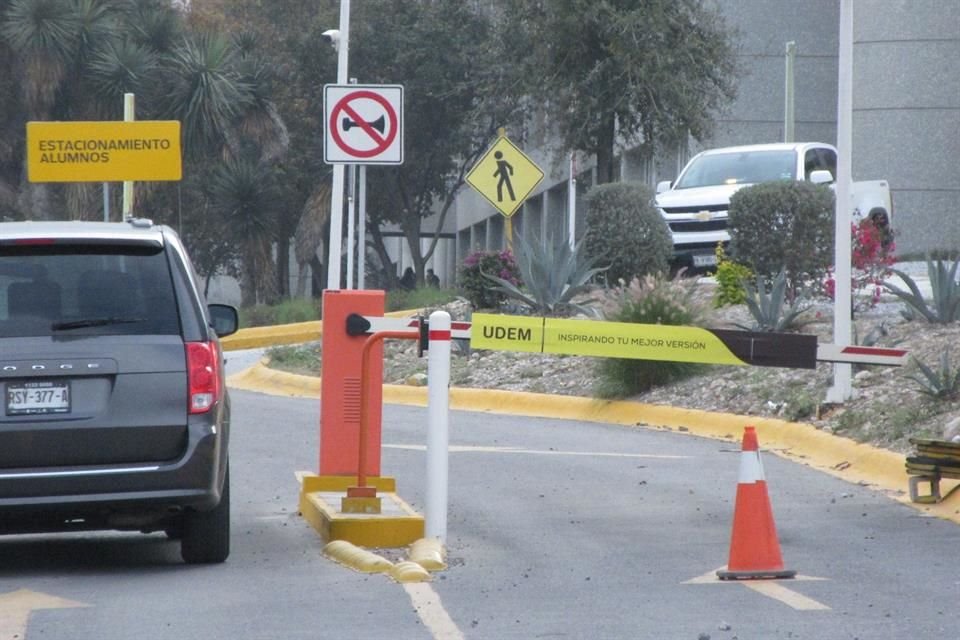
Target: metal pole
438	425
106	202
788	93
129	115
572	203
351	221
842	389
362	241
336	195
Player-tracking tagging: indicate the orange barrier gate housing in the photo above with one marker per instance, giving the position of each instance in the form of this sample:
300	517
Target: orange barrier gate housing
340	386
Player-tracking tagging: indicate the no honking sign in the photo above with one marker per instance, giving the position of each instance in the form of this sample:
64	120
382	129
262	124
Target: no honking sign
363	124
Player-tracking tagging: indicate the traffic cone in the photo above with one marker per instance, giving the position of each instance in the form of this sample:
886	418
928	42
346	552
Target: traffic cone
754	549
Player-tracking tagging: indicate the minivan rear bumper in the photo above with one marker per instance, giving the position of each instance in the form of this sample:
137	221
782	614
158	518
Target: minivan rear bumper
122	496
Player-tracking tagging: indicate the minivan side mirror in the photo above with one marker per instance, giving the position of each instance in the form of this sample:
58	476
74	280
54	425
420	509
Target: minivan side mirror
663	185
821	176
224	319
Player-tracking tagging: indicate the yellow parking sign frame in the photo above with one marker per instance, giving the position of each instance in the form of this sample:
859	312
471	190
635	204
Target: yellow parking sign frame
104	151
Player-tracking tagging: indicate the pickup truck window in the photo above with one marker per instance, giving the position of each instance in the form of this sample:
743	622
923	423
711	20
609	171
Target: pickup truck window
749	167
820	159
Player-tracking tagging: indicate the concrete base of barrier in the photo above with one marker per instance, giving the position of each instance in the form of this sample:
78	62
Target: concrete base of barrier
397	524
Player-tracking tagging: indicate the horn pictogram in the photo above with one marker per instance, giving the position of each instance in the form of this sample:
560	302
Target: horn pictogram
377	124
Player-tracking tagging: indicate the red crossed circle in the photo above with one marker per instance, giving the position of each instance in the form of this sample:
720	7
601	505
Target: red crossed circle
382	142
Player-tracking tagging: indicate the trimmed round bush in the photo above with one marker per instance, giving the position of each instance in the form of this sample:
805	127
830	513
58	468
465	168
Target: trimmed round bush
625	231
783	225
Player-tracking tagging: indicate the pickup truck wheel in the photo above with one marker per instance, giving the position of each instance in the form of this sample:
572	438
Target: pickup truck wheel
206	534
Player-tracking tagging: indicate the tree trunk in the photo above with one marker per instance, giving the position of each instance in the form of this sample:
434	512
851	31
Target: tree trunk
606	172
411	232
389	281
283	267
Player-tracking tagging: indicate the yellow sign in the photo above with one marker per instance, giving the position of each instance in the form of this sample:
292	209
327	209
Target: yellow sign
505	176
104	151
603	339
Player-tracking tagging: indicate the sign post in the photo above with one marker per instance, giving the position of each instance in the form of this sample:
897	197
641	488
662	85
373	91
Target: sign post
363	125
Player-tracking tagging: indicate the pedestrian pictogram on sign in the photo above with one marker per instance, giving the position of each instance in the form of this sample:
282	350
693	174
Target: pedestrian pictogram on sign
505	176
364	124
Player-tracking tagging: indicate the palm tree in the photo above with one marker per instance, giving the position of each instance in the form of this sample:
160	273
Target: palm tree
204	91
44	35
243	192
311	232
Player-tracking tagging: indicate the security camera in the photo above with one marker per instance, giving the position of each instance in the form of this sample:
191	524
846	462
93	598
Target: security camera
332	36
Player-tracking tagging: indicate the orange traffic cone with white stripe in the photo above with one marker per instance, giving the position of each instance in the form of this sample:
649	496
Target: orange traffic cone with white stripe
754	548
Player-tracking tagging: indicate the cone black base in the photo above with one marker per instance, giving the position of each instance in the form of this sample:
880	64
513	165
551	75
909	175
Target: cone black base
755	575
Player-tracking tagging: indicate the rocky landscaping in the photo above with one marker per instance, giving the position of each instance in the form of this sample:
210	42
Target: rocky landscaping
888	406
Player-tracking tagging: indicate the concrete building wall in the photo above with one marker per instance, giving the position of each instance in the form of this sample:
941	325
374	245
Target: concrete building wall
764	27
906	114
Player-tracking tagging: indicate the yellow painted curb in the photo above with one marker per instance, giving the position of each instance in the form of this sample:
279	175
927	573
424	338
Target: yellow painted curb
259	337
356	558
843	458
407	571
429	554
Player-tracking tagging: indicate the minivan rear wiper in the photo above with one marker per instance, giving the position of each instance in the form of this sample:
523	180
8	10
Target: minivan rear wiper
92	322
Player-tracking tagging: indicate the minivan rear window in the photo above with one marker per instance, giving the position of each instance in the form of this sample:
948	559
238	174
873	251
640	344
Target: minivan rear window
65	290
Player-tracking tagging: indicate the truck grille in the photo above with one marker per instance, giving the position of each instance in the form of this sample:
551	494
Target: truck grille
696	208
687	226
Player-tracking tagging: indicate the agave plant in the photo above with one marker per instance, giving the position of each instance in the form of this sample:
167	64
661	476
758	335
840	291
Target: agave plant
553	274
942	383
943	287
768	309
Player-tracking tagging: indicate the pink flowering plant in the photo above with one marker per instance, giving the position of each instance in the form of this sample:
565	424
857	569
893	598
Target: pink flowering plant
482	293
871	258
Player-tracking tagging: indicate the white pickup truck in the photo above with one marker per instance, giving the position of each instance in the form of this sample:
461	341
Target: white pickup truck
695	204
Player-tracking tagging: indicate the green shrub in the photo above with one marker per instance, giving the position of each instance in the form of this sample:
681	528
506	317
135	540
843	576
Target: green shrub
652	300
626	232
553	274
286	312
729	276
303	359
479	290
423	298
784	224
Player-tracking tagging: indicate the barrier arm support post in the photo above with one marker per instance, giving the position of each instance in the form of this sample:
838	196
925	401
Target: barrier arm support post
361	498
438	425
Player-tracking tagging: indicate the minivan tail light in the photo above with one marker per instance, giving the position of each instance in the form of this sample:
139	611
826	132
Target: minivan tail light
203	375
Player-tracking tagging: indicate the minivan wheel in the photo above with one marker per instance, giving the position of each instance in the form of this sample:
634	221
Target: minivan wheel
206	534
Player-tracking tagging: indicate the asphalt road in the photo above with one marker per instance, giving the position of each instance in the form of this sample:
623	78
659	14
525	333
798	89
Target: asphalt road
557	529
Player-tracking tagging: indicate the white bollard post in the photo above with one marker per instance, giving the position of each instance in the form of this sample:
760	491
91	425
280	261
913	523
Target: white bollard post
438	425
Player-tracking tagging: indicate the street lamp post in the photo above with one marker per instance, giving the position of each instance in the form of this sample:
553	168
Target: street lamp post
336	196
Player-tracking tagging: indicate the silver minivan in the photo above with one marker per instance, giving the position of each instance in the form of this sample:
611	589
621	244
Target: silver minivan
116	413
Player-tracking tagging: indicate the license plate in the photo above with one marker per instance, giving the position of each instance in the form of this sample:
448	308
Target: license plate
38	397
705	260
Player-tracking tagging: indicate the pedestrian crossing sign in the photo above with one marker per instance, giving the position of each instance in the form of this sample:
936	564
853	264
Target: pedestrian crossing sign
505	176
